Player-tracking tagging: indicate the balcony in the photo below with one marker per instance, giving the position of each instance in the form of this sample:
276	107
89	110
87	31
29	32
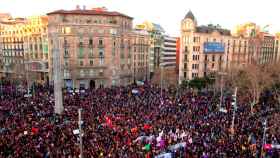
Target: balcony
91	55
90	46
101	46
186	60
185	69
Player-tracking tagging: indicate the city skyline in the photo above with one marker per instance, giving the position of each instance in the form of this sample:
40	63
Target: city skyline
215	12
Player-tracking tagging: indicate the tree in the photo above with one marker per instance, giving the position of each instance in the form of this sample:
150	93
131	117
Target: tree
199	82
253	80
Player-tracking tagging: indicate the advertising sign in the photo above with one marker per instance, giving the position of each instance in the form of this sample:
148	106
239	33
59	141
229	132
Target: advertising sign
214	47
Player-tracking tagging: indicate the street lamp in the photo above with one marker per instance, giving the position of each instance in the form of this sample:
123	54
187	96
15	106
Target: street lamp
80	133
264	133
234	104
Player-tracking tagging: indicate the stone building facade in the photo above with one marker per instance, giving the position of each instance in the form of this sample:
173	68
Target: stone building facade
24	49
211	49
96	47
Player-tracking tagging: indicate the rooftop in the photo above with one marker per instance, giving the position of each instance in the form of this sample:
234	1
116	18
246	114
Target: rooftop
211	28
95	11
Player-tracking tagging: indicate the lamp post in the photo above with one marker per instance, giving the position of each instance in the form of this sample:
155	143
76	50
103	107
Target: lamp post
264	133
234	103
80	133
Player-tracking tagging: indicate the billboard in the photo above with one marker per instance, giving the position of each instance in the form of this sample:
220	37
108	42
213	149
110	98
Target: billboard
214	47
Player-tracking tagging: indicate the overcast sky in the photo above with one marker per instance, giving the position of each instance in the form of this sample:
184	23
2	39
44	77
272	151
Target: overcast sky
167	13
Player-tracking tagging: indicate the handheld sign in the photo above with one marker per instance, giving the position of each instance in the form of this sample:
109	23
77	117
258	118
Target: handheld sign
76	131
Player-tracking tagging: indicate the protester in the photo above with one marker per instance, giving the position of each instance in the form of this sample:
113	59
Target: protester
120	124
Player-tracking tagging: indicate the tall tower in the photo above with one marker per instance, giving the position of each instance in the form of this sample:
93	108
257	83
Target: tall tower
189	23
188	27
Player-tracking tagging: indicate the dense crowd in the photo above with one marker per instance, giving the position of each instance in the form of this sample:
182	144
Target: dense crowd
134	122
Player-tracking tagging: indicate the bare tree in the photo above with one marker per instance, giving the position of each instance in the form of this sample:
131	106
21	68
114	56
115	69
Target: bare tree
252	80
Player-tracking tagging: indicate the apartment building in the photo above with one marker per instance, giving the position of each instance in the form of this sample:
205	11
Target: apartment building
96	47
140	55
168	55
24	49
204	49
211	49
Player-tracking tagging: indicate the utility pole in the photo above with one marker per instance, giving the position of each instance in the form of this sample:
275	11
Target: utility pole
234	104
264	133
80	133
161	80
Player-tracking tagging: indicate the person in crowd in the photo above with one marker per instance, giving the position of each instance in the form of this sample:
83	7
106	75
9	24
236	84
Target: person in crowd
117	123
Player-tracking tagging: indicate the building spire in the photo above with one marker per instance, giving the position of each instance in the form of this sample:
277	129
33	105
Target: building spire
190	15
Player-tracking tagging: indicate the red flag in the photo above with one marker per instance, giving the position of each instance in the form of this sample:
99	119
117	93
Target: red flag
34	130
147	126
109	122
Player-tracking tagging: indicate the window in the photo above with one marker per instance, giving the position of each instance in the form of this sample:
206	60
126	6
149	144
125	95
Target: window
66	63
186	49
66	53
100	42
196	48
185	74
213	65
81	52
186	57
92	72
213	58
66	30
91	62
193	75
185	66
90	42
82	73
90	53
81	62
195	66
206	58
196	39
101	58
101	72
66	74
